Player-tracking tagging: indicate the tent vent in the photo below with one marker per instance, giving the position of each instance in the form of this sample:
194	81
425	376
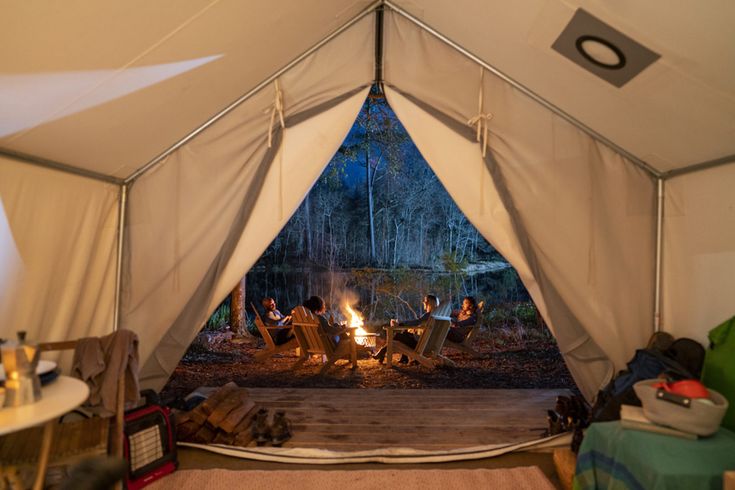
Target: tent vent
602	50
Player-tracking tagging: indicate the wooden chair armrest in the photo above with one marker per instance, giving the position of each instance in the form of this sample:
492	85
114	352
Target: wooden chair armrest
400	328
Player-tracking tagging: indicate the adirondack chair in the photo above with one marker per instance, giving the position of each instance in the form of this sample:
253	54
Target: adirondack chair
466	345
314	341
431	339
271	348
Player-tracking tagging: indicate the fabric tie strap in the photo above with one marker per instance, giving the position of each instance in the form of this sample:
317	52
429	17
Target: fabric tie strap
277	109
481	119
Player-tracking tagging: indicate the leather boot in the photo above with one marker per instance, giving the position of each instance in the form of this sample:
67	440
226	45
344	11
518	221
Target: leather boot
260	429
380	355
281	429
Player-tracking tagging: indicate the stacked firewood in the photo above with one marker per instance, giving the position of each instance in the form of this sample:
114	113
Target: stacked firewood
224	418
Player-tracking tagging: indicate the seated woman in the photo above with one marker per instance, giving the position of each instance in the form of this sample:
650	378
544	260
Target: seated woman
317	306
405	337
274	317
462	320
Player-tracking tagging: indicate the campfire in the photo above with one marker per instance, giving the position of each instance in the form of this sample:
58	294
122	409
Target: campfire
356	321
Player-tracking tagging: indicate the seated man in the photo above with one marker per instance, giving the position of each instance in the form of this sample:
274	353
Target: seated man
430	303
463	320
274	317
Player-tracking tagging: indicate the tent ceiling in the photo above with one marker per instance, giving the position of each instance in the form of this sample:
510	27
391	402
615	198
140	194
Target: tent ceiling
680	111
108	87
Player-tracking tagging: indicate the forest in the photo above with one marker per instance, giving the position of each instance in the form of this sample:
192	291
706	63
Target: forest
378	204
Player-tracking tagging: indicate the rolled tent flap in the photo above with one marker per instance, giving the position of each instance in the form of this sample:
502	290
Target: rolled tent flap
280	182
198	221
63	228
575	218
699	252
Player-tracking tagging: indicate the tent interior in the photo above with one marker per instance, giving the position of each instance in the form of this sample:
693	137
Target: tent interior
152	151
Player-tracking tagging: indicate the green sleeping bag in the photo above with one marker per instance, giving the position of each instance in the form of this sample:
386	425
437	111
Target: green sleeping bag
719	366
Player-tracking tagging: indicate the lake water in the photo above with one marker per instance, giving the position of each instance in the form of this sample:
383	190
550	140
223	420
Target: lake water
382	295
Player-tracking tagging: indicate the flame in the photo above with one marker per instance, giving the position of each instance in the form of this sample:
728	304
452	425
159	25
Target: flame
357	323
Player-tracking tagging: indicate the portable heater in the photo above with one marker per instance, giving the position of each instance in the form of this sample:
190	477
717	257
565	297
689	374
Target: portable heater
149	445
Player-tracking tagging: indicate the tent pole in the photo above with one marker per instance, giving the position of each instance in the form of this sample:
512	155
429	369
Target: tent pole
61	167
379	44
699	166
659	246
121	217
158	159
594	134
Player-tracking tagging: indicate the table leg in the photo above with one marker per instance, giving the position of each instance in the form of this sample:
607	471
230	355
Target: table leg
389	343
48	434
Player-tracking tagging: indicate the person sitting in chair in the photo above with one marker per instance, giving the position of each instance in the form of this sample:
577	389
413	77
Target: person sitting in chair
430	303
274	317
462	320
317	306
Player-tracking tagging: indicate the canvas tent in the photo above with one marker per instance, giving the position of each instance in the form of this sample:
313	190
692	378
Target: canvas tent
152	150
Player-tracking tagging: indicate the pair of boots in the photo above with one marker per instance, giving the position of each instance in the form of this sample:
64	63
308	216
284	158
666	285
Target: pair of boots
276	433
380	356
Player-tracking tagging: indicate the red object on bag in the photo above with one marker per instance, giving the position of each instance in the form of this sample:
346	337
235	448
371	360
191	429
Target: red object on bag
149	445
690	388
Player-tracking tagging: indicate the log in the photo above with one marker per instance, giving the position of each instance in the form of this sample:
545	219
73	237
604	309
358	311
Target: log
204	435
186	430
233	419
224	418
217	397
223	409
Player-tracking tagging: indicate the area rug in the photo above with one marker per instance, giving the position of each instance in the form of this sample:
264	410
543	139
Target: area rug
529	477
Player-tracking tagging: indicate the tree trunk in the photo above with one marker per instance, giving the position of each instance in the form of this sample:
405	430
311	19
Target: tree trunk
369	182
371	217
307	225
421	241
237	308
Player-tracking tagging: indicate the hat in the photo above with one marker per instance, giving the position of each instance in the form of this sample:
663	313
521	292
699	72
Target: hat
684	405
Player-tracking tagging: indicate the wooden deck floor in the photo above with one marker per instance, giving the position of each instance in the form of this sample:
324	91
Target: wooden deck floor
360	419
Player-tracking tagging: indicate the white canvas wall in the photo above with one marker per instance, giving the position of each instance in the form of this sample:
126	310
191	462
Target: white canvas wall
699	252
63	229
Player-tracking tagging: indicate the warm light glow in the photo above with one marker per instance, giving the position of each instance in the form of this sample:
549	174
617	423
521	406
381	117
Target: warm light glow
356	322
11	268
28	100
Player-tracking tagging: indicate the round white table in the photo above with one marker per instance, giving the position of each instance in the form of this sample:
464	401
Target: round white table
57	398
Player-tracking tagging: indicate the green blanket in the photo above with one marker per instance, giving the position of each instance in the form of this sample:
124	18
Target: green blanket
612	458
719	366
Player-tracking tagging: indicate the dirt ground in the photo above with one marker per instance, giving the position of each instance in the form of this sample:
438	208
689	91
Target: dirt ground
217	358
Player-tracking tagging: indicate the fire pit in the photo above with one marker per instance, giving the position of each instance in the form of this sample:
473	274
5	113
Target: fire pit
356	322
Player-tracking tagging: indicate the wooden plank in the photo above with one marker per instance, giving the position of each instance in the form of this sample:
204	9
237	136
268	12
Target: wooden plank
416	393
359	419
